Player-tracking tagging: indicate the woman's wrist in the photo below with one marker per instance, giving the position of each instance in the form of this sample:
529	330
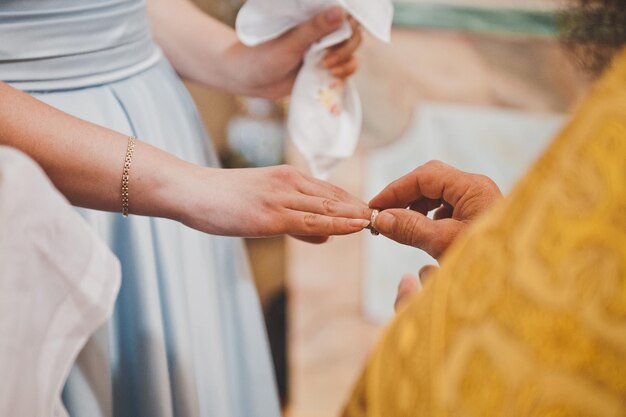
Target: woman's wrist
158	183
242	70
203	199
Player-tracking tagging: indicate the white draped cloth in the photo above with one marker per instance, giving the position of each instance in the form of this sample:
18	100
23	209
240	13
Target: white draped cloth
58	284
325	114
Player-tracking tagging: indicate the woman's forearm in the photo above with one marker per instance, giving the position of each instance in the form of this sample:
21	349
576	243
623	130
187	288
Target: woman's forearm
85	161
199	47
204	50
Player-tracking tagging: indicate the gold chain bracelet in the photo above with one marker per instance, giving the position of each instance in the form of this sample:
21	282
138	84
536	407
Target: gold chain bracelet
126	175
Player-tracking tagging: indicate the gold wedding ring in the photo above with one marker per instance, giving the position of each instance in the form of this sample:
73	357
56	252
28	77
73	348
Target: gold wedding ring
375	214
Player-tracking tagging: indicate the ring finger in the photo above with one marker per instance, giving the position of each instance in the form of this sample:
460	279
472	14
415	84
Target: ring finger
318	188
312	224
329	207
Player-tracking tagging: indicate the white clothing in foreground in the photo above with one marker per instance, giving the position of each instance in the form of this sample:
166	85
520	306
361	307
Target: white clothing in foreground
58	284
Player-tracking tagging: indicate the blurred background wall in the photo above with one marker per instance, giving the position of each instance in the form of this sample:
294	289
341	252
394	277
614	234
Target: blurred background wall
481	84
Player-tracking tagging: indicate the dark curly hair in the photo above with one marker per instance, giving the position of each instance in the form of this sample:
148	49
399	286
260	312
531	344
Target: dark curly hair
594	30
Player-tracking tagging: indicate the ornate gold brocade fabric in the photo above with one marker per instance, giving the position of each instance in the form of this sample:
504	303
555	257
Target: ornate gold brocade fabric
527	316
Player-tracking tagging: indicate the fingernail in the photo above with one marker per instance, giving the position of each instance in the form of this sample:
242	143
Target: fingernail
359	223
335	15
385	222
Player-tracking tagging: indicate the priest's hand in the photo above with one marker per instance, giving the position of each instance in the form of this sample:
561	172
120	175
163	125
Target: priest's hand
410	285
458	198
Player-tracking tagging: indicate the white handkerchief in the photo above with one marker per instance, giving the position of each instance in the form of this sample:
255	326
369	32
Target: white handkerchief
325	112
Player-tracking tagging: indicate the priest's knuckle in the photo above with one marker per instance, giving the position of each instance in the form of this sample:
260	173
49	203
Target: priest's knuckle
434	164
490	186
481	179
409	230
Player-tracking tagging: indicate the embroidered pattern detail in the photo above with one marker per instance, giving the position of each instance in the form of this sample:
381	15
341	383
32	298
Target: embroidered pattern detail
330	96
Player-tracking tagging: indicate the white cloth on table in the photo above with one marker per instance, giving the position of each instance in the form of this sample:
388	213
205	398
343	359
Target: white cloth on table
58	284
325	112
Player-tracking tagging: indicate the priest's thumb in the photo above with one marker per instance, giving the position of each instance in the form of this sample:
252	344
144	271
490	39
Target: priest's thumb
319	26
407	287
414	229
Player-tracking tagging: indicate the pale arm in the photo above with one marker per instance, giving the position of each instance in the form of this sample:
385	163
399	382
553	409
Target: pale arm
84	161
198	46
458	198
204	50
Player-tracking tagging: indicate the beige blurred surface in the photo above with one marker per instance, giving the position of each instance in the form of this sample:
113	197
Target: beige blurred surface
216	108
509	71
329	337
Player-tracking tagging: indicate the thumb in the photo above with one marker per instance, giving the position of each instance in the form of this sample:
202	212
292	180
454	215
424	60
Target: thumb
414	229
407	287
319	26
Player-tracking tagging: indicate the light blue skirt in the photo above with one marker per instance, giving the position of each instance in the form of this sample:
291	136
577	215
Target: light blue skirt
187	336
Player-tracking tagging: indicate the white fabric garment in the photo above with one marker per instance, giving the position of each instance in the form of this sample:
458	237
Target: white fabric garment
325	112
58	283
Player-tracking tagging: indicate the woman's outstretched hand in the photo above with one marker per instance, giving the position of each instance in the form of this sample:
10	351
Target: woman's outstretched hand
273	201
84	162
458	198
